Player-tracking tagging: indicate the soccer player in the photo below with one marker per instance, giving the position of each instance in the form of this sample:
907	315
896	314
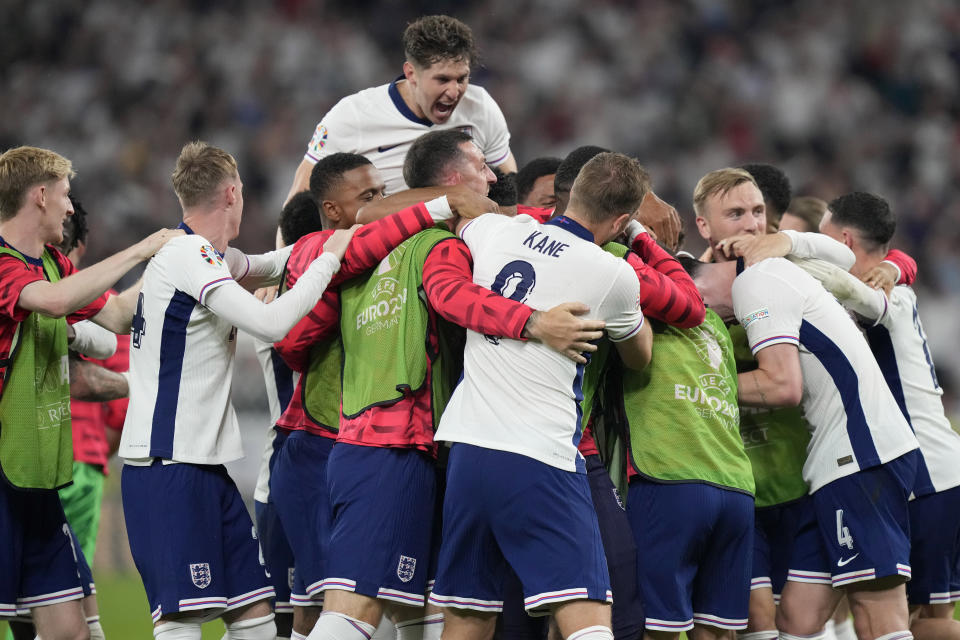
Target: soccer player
38	566
535	183
803	214
180	427
517	493
865	223
775	187
862	458
567	172
433	93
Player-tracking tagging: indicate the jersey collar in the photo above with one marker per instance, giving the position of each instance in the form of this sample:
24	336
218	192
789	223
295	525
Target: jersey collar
37	262
402	106
572	226
185	227
741	265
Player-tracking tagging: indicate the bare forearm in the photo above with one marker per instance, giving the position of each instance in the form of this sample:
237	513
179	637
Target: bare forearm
758	388
92	383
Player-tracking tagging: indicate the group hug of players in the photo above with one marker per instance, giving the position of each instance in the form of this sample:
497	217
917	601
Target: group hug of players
486	415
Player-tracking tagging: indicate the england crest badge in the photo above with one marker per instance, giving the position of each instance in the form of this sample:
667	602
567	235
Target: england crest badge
200	574
406	567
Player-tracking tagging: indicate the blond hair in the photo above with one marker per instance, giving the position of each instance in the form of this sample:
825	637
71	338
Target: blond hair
200	170
24	167
808	209
609	185
719	182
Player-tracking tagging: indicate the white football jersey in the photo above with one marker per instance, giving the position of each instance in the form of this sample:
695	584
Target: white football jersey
900	346
378	124
181	361
854	420
280	382
524	397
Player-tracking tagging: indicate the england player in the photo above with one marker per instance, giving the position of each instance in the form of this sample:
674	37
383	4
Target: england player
803	214
775	187
862	457
517	493
38	565
865	223
535	183
434	93
181	427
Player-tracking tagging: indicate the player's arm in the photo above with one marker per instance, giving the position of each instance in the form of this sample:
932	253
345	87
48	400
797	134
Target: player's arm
896	268
626	326
667	292
636	350
91	340
117	314
855	295
320	323
776	382
754	248
462	201
509	164
58	299
256	271
301	179
271	322
92	383
448	283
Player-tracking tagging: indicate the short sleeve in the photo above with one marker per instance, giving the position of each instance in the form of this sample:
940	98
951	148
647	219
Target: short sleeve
496	136
620	309
336	132
195	267
480	230
15	274
768	308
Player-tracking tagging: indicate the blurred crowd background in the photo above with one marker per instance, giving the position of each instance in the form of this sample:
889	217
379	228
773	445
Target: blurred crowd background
852	95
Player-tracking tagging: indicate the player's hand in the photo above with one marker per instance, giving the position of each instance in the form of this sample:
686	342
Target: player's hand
754	248
661	220
467	203
883	276
152	243
266	295
338	241
564	330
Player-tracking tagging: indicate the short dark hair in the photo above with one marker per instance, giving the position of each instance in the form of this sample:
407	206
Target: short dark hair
609	185
569	167
431	39
431	155
504	190
75	227
867	213
774	185
329	170
300	216
536	168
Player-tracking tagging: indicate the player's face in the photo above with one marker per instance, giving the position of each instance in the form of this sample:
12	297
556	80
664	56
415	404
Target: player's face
358	187
829	228
541	194
473	170
56	208
739	210
437	89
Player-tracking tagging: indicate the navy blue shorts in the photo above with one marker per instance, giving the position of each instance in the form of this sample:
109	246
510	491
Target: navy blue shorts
298	487
935	548
864	522
277	556
83	567
384	507
695	547
503	509
38	560
620	550
774	532
191	538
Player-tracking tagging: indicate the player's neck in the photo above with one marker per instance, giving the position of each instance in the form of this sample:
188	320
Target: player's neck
210	225
866	261
407	94
598	230
23	233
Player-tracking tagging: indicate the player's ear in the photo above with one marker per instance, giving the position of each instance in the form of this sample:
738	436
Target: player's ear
332	210
703	227
408	71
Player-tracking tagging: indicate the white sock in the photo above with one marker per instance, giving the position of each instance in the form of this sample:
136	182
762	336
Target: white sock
179	630
297	636
598	632
262	628
769	634
96	631
844	630
337	626
386	630
426	628
815	636
897	635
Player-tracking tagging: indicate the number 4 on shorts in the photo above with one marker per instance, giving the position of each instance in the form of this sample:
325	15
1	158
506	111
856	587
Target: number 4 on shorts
844	539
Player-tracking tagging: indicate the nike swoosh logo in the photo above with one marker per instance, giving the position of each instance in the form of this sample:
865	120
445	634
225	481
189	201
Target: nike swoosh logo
385	149
842	562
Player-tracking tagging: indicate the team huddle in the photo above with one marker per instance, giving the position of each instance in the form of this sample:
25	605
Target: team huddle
503	403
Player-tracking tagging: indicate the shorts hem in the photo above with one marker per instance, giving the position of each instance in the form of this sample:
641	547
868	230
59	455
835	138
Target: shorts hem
403	597
283	607
737	624
306	600
465	603
548	598
944	597
669	625
46	599
761	583
863	575
249	597
809	577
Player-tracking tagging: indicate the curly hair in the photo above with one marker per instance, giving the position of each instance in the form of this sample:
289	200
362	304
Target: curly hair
431	39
